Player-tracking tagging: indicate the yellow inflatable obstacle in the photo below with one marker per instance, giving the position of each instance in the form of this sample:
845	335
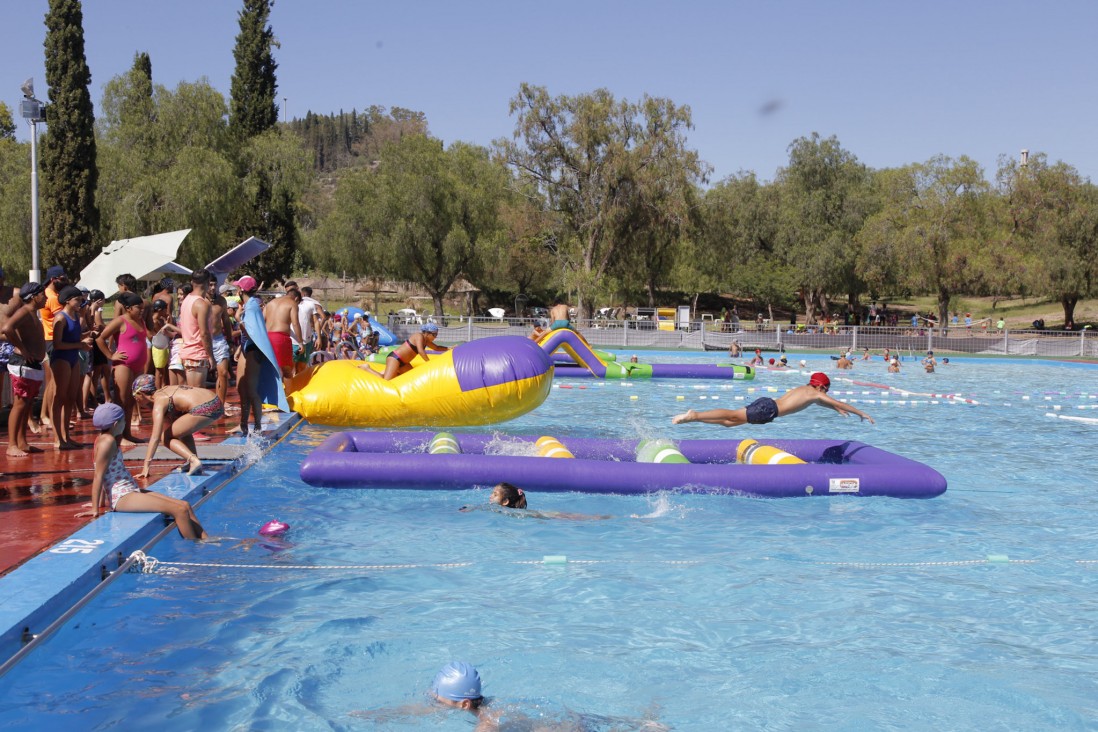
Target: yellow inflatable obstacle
481	382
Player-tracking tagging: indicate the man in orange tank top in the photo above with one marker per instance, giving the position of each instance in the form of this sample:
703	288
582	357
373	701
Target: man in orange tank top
55	282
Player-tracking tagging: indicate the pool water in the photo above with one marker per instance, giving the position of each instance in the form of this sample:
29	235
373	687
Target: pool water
688	611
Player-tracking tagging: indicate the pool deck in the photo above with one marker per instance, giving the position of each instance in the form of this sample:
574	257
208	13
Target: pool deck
49	559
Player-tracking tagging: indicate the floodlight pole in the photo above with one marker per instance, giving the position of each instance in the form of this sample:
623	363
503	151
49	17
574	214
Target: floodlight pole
31	110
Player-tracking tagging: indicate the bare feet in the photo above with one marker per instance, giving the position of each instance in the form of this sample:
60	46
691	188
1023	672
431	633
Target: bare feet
688	416
14	451
196	466
35	426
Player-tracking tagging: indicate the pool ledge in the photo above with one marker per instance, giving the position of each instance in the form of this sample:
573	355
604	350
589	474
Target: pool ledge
40	591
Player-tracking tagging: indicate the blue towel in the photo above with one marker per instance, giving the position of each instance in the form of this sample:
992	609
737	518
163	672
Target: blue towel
270	375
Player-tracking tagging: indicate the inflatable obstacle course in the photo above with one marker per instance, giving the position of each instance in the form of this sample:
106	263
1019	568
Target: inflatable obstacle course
826	467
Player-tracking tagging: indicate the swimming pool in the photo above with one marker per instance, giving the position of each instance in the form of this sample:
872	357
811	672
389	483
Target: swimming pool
702	612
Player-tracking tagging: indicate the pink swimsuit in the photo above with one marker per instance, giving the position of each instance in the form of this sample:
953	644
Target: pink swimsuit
132	342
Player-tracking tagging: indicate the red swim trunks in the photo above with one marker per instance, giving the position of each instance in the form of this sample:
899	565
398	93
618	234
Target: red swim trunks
283	347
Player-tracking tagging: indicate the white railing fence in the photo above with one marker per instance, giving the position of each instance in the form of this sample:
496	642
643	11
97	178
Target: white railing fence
835	339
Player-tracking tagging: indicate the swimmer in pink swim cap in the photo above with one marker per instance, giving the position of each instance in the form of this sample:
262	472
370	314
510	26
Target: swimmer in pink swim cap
274	528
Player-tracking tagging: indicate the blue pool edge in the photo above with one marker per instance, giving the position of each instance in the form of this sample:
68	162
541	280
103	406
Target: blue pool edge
36	594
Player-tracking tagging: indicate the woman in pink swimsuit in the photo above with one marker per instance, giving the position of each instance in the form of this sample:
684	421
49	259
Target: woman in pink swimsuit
131	353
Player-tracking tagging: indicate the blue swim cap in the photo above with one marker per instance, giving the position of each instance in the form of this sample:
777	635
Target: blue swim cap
429	328
457	681
107	415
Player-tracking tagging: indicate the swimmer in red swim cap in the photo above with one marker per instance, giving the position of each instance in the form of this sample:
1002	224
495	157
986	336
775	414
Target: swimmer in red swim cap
765	409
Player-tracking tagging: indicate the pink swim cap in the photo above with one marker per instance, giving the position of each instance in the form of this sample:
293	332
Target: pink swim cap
274	528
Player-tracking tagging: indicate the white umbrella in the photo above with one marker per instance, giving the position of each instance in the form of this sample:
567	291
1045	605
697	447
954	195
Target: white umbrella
236	258
142	256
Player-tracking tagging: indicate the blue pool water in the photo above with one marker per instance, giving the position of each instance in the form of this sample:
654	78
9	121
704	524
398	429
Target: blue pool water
694	612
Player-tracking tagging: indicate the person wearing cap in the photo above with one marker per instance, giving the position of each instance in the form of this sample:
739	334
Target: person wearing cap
457	684
130	353
399	360
284	328
68	341
894	365
23	331
757	360
114	488
844	362
249	365
765	409
929	362
178	413
55	281
99	377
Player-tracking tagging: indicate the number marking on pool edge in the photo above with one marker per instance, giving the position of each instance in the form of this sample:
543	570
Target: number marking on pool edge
76	546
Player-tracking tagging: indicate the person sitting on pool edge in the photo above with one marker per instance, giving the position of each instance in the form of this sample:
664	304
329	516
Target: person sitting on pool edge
113	485
765	410
399	360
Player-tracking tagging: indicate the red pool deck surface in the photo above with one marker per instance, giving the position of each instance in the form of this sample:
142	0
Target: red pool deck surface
41	493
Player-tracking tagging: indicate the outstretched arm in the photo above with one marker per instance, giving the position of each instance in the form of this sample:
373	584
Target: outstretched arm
842	408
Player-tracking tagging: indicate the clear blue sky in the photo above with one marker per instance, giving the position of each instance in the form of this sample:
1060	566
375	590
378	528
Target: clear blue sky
895	82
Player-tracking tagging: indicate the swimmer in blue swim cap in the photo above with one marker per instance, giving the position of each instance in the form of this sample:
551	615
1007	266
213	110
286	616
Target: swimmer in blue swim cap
399	360
457	684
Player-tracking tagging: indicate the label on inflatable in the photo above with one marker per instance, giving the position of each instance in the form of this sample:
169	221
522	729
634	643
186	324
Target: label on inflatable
844	485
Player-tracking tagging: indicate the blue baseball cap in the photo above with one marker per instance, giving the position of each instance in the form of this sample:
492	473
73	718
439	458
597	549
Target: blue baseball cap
429	328
54	272
457	681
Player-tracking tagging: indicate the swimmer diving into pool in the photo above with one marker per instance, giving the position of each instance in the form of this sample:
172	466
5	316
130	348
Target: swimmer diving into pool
765	409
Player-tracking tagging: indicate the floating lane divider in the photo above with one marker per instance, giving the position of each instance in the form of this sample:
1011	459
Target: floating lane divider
551	447
660	452
377	459
752	453
444	444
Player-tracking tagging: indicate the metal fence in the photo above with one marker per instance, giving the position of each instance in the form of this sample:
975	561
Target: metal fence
711	336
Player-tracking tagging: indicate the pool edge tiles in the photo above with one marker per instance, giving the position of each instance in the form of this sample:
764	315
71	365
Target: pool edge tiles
41	590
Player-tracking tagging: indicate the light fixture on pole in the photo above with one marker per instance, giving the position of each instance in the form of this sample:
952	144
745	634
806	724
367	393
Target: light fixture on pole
31	110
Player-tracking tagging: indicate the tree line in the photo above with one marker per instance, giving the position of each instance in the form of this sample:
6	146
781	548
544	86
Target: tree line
593	197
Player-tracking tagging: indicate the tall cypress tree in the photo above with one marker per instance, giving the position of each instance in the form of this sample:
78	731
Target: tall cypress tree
252	112
252	108
70	219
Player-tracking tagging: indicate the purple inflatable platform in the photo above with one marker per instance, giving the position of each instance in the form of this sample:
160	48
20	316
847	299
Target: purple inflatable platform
398	460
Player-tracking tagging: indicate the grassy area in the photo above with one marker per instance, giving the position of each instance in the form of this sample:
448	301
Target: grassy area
1017	313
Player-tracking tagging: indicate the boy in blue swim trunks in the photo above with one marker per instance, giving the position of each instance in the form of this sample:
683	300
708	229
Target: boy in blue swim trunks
765	410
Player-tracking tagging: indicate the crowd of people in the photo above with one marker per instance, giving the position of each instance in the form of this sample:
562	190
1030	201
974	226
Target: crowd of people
156	369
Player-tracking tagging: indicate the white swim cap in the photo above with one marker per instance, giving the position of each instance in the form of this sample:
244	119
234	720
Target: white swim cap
803	363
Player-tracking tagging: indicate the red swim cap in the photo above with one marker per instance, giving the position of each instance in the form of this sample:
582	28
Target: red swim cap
820	379
771	363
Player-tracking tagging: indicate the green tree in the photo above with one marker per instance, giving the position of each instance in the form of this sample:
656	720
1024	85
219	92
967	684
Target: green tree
736	248
522	258
171	166
7	124
426	214
275	173
1053	225
934	223
15	206
70	219
253	116
825	199
252	110
589	155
